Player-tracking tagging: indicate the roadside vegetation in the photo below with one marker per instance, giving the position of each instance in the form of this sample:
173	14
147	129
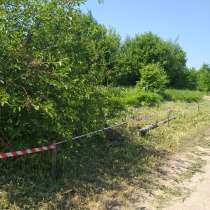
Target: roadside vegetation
106	170
183	95
62	74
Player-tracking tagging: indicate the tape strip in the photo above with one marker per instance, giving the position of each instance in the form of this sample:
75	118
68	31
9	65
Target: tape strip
27	151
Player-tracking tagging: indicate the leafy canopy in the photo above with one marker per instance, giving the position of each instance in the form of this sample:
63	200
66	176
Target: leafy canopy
150	49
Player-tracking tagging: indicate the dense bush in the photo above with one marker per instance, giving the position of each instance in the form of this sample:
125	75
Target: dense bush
149	98
52	58
152	83
153	78
114	103
130	96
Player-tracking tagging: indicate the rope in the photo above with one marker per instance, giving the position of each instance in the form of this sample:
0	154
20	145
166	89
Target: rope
111	127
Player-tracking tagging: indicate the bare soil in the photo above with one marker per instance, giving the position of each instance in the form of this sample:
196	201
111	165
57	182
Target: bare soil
199	199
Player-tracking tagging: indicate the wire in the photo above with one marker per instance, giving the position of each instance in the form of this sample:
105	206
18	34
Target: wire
110	127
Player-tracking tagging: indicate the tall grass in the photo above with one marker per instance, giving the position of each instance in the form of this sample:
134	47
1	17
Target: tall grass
125	95
132	96
183	95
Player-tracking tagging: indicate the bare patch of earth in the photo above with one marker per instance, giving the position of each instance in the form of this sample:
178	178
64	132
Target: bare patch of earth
182	183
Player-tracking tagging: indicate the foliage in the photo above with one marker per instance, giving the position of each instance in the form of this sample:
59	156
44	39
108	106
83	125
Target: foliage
204	78
130	96
191	79
52	59
127	70
149	98
114	104
183	95
175	64
123	95
153	78
150	49
111	48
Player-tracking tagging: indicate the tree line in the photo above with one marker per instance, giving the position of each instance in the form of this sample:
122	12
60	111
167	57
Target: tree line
54	59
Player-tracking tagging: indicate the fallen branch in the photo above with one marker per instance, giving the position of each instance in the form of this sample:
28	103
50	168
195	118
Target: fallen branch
145	130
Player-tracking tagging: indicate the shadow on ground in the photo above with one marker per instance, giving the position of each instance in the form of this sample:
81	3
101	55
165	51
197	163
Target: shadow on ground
84	170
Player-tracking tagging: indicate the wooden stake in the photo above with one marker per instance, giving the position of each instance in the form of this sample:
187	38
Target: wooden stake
145	130
169	113
198	106
54	163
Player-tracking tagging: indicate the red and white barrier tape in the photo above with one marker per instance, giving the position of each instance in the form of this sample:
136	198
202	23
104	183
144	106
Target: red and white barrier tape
27	151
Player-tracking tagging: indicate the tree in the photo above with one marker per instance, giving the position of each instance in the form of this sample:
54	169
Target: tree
128	65
95	48
111	49
204	78
174	64
51	59
191	79
150	49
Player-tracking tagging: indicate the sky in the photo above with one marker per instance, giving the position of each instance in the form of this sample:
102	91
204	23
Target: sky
187	21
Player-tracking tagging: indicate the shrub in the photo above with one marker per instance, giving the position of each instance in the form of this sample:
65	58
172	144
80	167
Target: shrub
113	100
130	96
153	78
49	71
149	98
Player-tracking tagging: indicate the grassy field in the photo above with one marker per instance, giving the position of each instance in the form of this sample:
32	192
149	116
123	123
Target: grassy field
183	95
102	172
132	96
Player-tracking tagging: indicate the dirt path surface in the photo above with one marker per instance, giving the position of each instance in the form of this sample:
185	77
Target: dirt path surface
206	98
182	183
199	198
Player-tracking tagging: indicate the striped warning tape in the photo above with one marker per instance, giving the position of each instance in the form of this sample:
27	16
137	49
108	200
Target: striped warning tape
27	151
53	146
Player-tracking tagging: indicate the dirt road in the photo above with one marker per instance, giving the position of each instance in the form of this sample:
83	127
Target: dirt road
199	199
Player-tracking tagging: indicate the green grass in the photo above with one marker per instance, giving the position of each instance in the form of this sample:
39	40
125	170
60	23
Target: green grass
131	96
124	95
183	95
